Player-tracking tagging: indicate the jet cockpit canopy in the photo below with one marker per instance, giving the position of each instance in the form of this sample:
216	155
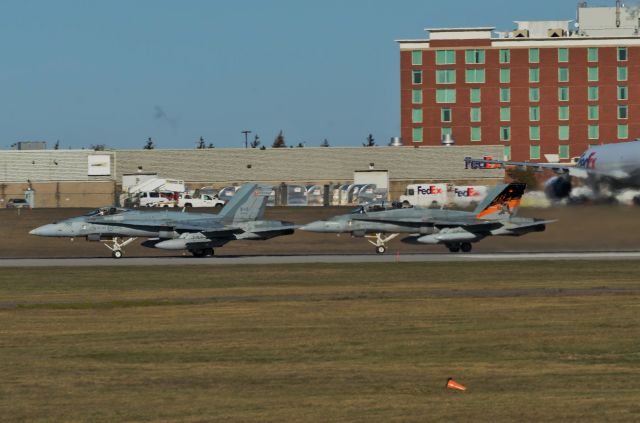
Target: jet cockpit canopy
376	206
106	211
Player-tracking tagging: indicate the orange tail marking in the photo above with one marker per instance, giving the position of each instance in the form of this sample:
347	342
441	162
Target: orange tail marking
452	384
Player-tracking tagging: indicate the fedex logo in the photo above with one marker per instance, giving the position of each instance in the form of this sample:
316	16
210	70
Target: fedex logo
468	192
429	190
587	161
470	163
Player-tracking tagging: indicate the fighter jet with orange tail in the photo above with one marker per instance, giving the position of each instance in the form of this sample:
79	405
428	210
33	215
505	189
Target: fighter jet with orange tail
455	229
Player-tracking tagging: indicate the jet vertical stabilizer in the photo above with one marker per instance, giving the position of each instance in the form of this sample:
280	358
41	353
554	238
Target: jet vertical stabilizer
501	203
247	204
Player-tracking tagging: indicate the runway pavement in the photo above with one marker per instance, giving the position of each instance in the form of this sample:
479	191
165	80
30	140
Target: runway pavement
305	259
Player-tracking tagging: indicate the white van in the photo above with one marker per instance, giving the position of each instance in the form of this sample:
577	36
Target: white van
154	199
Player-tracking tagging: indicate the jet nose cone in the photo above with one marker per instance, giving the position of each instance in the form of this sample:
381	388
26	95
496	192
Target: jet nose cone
317	226
323	226
45	230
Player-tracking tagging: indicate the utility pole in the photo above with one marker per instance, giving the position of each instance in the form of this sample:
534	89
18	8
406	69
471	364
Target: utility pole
246	140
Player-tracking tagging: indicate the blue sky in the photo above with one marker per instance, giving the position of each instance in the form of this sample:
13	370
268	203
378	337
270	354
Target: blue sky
117	72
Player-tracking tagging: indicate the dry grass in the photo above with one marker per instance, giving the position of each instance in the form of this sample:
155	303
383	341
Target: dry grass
532	342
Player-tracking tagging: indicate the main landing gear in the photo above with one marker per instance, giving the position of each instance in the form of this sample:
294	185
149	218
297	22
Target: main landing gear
465	247
116	246
204	252
380	240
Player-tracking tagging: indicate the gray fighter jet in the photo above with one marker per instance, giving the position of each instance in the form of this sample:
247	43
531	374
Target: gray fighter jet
200	233
456	229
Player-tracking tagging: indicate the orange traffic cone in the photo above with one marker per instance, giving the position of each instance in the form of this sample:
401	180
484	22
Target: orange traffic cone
452	384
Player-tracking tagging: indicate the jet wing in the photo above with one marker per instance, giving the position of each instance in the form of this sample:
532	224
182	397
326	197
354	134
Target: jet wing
572	170
469	224
516	226
210	231
133	223
471	163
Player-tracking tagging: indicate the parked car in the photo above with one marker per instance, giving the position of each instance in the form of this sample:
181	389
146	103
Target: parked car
17	203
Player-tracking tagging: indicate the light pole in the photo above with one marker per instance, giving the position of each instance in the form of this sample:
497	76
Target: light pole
246	134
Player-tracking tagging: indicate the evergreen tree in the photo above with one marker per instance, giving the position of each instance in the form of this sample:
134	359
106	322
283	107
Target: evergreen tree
371	142
324	143
279	141
201	145
149	145
256	142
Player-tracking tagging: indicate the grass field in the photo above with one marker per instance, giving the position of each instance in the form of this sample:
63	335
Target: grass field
543	341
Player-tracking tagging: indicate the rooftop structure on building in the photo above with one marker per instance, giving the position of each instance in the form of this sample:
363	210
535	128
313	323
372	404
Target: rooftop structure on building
545	90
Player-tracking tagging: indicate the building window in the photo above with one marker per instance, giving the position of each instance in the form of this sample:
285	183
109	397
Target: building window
534	75
446	76
563	151
534	55
416	116
505	114
416	77
505	56
623	131
476	133
593	112
474	76
592	73
623	112
445	114
416	96
534	113
474	95
622	54
475	114
474	57
534	132
445	132
563	132
445	57
505	75
416	57
622	92
534	152
507	152
445	95
534	94
505	133
563	93
592	54
592	93
622	73
505	94
563	75
593	132
563	55
563	113
416	134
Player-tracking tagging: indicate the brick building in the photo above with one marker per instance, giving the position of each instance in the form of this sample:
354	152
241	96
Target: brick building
545	91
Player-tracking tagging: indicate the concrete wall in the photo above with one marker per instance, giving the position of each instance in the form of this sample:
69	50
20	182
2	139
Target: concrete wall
307	164
50	165
60	177
62	194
